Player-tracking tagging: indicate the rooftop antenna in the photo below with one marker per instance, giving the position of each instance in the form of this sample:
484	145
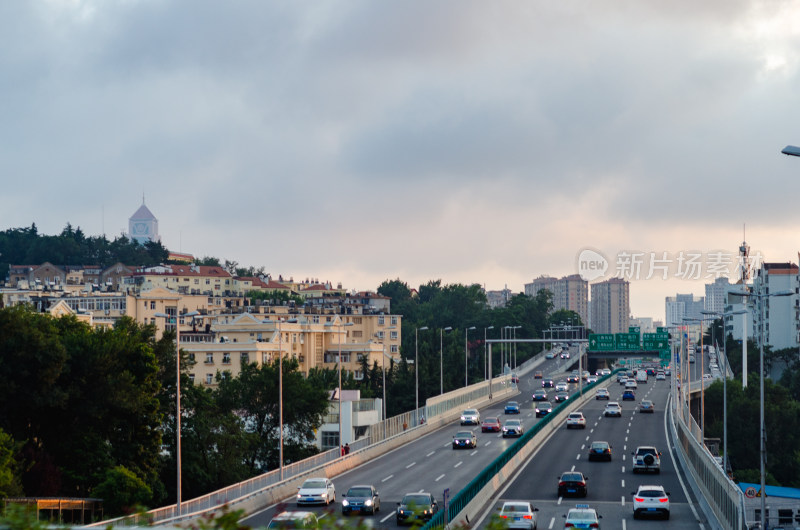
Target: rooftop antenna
744	257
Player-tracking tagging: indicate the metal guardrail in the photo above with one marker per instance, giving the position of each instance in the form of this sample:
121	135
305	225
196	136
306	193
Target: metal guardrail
377	434
724	497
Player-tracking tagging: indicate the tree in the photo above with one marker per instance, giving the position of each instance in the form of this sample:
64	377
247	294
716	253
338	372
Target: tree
122	492
10	470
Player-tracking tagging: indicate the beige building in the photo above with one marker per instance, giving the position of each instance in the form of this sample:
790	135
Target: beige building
611	307
570	292
221	343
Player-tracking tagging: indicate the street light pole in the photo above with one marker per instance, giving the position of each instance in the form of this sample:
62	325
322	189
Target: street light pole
416	371
485	355
466	355
514	329
441	358
383	363
763	434
340	325
166	318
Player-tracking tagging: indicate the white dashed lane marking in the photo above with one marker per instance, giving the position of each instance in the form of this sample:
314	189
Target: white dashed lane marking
412	464
440	477
387	478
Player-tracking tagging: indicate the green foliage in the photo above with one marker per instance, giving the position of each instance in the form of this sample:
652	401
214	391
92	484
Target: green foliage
82	399
122	491
71	247
19	517
10	472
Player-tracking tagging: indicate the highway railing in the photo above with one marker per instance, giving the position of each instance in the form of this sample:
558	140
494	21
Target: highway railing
724	497
382	437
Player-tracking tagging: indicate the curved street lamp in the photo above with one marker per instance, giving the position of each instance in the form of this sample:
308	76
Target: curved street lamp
167	318
416	371
466	355
441	358
763	434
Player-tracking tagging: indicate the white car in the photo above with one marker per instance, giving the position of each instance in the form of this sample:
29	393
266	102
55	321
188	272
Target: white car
519	514
562	386
582	517
630	384
601	393
612	409
316	491
576	420
471	417
650	501
591	379
661	376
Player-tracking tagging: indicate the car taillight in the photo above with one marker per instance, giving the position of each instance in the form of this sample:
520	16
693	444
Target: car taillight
562	483
663	500
568	525
581	483
638	499
594	525
527	517
504	516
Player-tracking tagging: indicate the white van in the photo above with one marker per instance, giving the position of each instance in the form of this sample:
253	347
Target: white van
641	376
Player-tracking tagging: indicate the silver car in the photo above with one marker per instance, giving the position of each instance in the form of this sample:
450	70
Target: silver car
519	514
471	417
316	491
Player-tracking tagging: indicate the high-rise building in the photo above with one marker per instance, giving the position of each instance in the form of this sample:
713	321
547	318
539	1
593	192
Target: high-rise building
611	307
780	319
683	306
716	293
570	292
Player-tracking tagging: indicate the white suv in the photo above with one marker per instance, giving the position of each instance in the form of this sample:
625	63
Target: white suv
576	419
650	500
646	458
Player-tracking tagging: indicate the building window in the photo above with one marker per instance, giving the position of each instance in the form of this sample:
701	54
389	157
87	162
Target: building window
394	321
209	358
393	335
380	334
381	320
358	375
191	378
394	348
357	334
152	304
245	357
191	358
209	379
226	358
315	319
329	439
357	321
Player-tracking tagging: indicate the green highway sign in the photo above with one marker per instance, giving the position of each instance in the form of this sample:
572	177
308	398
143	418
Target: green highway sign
634	329
661	330
627	341
655	341
601	342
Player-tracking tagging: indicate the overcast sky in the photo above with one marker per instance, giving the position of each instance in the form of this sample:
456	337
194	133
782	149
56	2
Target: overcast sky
354	141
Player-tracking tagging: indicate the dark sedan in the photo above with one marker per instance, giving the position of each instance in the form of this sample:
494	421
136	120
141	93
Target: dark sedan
540	395
361	499
572	484
465	440
543	408
561	397
548	383
416	507
512	407
600	451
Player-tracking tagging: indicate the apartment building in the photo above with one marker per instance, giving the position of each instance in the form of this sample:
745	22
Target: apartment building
716	294
570	292
610	306
776	317
681	306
